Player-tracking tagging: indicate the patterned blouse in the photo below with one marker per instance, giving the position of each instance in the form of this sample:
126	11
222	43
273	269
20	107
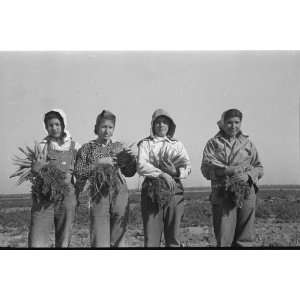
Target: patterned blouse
88	155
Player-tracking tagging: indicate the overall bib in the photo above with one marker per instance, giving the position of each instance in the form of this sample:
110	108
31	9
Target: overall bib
45	212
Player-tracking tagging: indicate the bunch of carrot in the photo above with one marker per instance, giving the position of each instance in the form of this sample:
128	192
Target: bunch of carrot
49	182
237	191
105	178
24	171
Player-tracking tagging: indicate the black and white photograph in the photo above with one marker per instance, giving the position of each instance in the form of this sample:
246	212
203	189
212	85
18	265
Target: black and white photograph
150	149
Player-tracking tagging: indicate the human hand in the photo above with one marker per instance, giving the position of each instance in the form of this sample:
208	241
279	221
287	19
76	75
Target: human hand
38	165
130	150
106	161
233	170
168	167
41	161
169	180
240	177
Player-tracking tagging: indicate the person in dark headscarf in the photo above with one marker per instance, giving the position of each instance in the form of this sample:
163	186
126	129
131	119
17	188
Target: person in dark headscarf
104	164
231	162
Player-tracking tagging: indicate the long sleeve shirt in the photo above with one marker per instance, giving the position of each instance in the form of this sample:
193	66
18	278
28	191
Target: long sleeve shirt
153	150
88	155
219	152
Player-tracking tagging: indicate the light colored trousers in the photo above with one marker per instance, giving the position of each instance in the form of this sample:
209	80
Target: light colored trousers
163	220
233	226
109	218
44	213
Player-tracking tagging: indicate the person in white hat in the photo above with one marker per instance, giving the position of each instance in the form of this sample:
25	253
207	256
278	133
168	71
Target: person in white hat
58	151
163	162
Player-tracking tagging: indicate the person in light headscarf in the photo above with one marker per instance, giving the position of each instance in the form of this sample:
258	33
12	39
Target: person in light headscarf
232	164
164	162
58	205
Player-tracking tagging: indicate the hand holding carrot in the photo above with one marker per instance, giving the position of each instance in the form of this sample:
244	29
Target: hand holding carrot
41	160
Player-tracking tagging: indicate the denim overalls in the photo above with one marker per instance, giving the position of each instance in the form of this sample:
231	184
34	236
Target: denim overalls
45	212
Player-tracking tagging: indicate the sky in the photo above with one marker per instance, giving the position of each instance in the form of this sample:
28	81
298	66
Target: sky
194	87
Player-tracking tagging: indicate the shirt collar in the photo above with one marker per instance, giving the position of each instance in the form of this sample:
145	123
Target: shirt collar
158	139
220	134
66	139
103	145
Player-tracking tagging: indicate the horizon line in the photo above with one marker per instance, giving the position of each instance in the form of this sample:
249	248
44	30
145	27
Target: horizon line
188	187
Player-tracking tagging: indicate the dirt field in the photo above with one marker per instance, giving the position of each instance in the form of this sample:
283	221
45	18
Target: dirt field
277	220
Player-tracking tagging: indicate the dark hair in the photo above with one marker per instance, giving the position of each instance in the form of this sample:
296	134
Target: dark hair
170	124
231	113
54	115
105	115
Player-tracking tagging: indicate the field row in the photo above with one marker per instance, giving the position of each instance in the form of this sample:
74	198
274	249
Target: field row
277	221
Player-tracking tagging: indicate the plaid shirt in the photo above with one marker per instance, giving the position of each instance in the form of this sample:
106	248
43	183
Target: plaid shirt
88	155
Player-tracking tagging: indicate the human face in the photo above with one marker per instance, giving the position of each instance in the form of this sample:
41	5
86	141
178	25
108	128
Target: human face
232	126
106	130
161	126
54	128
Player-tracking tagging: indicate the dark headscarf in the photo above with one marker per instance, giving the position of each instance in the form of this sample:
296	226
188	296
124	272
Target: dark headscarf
105	115
54	115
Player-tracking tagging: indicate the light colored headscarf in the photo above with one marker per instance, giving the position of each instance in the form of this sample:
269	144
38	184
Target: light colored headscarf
67	136
64	118
232	113
159	113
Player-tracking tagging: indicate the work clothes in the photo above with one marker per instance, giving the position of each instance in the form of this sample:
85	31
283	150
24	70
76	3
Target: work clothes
161	217
108	210
45	211
233	225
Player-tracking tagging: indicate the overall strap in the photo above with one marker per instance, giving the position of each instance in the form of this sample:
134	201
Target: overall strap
73	151
47	144
72	146
47	147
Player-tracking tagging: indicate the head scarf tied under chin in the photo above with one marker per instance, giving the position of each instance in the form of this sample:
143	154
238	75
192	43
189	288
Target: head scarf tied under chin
105	115
231	113
162	113
59	114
